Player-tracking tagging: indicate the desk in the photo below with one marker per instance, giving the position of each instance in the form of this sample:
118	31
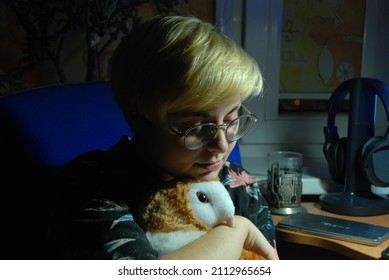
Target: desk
348	249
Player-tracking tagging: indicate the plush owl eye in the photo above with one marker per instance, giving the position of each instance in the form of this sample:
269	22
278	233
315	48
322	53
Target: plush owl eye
202	197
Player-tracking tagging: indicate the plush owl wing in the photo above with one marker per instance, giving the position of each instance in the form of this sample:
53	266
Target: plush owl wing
166	242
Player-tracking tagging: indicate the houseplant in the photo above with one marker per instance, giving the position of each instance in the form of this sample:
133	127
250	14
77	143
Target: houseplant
51	30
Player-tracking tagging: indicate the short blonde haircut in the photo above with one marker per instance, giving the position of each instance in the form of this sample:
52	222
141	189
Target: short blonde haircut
174	63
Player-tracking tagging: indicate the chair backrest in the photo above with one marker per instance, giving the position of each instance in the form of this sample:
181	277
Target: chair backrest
56	123
40	130
235	155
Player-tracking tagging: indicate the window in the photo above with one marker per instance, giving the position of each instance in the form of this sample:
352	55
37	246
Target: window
257	25
321	46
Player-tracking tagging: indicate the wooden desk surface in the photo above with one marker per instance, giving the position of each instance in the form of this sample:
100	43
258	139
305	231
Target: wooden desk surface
349	249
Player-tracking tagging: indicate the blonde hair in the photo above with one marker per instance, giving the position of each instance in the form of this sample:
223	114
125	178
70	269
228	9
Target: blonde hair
174	63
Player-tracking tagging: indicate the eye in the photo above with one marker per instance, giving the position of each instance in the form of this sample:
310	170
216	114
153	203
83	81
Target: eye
202	197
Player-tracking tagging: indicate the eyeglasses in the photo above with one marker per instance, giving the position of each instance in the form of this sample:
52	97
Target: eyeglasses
198	136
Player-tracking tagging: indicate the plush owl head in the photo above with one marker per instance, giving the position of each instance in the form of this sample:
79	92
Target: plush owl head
188	205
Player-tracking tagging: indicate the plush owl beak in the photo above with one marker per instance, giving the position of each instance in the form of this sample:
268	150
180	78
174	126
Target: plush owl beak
231	221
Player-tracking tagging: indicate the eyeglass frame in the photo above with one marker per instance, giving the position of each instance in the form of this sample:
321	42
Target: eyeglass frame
223	126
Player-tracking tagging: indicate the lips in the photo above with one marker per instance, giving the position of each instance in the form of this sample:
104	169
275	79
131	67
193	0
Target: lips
212	166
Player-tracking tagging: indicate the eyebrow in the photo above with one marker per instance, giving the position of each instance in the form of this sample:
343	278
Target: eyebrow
206	115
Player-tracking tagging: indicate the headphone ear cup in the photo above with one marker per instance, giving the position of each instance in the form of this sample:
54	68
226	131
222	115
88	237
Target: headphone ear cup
374	161
337	160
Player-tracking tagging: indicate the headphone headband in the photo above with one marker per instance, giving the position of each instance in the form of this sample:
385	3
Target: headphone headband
372	85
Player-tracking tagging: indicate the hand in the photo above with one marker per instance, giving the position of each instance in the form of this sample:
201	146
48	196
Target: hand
225	242
255	241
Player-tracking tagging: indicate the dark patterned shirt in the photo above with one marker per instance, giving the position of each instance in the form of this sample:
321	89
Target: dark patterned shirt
98	195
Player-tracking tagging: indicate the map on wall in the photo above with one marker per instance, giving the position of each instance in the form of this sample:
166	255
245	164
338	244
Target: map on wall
321	44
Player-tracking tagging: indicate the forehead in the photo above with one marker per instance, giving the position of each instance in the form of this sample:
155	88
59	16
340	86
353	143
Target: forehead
216	111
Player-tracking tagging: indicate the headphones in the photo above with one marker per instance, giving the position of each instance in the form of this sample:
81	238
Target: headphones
374	155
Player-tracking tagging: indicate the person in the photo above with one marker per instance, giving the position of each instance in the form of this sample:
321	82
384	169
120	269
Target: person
181	86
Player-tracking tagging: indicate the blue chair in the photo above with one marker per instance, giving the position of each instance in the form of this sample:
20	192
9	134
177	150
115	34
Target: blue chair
235	155
41	130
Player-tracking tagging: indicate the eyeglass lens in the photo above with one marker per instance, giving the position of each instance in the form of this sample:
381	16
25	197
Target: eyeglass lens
201	135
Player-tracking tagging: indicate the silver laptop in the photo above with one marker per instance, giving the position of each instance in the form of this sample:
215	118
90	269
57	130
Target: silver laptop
352	231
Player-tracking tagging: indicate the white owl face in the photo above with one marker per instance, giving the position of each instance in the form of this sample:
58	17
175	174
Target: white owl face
211	204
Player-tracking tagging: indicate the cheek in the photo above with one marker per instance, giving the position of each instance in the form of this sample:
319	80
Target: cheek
229	150
171	153
178	156
178	162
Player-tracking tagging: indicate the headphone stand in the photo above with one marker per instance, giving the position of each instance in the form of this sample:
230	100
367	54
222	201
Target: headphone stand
357	199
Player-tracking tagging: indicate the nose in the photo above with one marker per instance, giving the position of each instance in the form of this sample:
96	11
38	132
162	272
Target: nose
220	142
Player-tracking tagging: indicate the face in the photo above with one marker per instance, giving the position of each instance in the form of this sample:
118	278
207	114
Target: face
174	159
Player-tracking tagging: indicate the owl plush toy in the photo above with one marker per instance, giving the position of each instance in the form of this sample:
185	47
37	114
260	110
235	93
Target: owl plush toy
181	212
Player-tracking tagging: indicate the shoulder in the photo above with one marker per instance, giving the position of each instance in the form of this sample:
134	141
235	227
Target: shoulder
96	163
234	175
114	174
242	186
94	174
248	199
116	153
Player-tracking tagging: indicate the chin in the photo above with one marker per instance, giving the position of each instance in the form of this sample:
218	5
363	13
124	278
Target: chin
208	176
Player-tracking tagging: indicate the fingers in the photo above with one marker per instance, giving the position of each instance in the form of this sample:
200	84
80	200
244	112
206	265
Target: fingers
256	242
262	247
